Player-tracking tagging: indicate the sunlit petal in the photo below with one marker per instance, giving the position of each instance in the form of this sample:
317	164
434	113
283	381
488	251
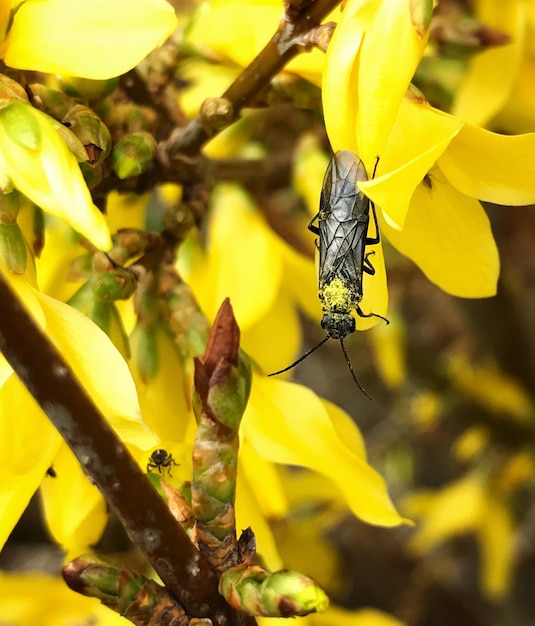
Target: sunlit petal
420	136
96	40
28	443
78	526
497	537
42	168
24	596
363	63
491	167
287	423
98	364
480	96
243	262
448	236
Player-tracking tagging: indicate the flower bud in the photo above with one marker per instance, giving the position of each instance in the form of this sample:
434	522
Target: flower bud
13	251
133	154
87	88
90	130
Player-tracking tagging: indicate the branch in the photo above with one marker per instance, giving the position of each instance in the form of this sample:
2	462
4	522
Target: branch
290	39
143	513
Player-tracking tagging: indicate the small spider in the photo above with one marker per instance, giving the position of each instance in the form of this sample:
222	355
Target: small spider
160	459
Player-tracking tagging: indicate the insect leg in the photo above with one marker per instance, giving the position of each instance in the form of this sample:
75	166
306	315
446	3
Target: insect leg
371	241
311	227
367	265
361	313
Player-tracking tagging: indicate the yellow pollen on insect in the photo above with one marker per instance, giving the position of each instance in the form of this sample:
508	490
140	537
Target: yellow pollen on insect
337	297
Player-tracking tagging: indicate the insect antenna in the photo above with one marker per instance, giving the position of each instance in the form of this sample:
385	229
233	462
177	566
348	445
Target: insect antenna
303	357
353	371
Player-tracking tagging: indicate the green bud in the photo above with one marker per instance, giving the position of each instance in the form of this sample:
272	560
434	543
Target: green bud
118	284
228	398
13	250
421	13
290	587
133	154
72	141
92	174
285	593
53	102
103	313
98	579
9	207
21	125
10	90
87	88
90	130
148	355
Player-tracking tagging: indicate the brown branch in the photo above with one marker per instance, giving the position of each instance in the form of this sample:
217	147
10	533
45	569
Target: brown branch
291	38
143	513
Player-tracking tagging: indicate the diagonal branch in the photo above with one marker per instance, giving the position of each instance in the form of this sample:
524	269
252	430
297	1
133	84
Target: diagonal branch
109	464
290	39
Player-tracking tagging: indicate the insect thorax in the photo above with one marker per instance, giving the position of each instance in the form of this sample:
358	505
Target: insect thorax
338	296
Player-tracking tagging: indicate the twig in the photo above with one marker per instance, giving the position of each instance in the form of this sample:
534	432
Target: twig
291	38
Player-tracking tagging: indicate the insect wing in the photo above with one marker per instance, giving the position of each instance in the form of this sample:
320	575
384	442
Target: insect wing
343	221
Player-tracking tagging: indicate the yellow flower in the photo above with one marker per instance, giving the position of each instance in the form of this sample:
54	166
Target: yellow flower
95	40
433	168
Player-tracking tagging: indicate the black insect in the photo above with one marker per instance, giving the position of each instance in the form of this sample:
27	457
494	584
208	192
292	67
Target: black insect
159	460
343	219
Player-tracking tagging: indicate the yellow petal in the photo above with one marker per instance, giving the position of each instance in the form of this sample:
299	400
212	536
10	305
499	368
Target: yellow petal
287	423
80	524
243	262
27	446
389	347
253	509
166	397
367	73
238	31
310	163
480	96
126	211
275	339
448	236
453	510
99	366
48	173
24	596
420	136
497	537
491	167
96	40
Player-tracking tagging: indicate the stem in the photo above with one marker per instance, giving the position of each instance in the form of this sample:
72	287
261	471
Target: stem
143	513
285	44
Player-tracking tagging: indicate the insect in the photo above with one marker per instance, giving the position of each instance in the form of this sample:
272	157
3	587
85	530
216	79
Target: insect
343	219
160	459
